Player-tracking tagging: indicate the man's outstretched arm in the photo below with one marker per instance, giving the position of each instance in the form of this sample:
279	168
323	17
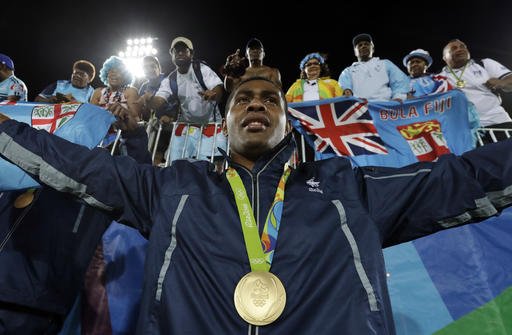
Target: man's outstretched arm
115	184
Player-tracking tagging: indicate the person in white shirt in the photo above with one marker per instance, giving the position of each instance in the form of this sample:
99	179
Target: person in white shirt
481	82
372	78
197	105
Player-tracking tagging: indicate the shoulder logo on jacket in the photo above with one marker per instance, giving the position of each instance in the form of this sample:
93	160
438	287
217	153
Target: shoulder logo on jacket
313	185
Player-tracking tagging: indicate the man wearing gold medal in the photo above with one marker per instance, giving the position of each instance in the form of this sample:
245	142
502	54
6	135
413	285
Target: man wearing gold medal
481	81
265	248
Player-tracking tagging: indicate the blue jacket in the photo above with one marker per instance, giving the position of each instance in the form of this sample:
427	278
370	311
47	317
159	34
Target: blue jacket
45	249
335	221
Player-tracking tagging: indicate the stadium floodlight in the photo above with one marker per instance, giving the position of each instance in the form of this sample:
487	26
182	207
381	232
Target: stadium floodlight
136	49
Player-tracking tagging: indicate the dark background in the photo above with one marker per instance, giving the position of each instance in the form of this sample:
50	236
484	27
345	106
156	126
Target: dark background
44	39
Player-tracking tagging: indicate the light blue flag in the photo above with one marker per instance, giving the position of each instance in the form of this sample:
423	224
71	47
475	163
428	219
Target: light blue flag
84	124
388	133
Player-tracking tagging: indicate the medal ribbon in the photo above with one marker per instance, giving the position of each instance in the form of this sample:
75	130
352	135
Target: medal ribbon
458	78
260	251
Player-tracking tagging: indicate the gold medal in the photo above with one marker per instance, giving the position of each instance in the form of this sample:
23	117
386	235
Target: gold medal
24	199
460	83
260	298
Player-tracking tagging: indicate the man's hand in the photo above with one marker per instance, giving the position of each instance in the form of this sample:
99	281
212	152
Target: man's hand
125	120
3	118
494	84
208	95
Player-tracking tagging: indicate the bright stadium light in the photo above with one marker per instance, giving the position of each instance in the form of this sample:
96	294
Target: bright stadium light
136	49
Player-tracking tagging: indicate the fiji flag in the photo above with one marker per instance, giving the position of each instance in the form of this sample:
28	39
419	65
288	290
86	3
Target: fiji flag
386	133
83	124
338	127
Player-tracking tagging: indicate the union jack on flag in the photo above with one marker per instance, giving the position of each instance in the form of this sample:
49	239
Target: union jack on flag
342	127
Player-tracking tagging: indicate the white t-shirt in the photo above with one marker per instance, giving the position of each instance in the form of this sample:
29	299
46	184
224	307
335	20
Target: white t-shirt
488	104
193	107
310	90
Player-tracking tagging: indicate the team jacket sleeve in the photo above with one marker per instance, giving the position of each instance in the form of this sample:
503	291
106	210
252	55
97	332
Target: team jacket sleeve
423	198
118	185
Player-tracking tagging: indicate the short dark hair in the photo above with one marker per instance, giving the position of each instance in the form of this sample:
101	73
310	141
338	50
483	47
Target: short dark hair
87	67
232	94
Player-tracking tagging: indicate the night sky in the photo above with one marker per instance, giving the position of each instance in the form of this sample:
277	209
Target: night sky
45	39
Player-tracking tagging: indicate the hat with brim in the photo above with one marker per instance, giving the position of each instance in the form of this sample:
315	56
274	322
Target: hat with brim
184	40
418	53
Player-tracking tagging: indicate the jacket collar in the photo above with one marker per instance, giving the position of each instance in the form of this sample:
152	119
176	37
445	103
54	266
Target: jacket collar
272	160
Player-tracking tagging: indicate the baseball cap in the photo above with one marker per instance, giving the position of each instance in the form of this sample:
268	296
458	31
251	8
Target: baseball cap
254	43
184	40
418	53
360	38
7	61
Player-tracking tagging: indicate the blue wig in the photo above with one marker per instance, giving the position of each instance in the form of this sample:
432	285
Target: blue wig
315	55
114	62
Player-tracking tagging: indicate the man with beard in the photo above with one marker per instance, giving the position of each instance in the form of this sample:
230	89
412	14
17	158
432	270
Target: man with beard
196	90
372	78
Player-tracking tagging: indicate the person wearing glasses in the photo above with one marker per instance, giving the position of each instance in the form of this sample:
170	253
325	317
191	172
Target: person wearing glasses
370	77
314	82
77	89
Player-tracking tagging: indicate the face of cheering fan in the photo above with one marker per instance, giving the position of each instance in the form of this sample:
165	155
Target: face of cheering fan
364	50
456	54
79	78
312	68
416	67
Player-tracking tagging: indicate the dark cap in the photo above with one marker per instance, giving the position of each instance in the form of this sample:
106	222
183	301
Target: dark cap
361	38
7	61
254	43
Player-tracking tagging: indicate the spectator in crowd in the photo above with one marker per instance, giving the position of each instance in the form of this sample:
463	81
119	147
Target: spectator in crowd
78	89
331	221
315	82
118	89
196	90
11	88
372	78
422	83
237	69
481	81
154	76
47	240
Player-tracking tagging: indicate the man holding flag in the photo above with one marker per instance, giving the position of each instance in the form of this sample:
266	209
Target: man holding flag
331	222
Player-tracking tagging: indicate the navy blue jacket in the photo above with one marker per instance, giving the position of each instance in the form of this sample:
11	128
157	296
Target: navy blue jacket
336	220
45	249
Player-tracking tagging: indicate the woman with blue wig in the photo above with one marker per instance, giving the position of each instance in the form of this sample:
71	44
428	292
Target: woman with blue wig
314	82
117	91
